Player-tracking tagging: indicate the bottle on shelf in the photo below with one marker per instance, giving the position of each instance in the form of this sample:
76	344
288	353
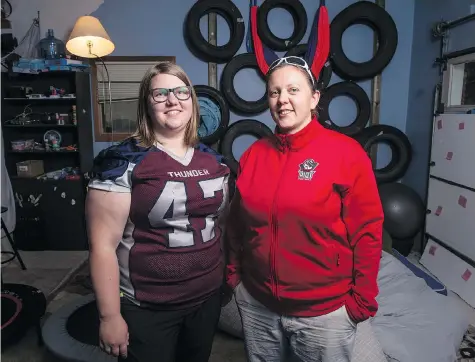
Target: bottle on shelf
51	47
75	120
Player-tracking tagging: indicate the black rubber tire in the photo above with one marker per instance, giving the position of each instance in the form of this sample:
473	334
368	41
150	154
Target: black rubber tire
358	95
325	74
374	16
200	46
239	128
299	15
401	150
239	105
30	307
216	96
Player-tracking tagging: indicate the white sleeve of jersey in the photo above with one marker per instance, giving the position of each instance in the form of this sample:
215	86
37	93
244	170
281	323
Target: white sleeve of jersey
120	183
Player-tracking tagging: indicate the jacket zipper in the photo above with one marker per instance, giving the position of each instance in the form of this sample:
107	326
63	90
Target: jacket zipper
274	227
274	249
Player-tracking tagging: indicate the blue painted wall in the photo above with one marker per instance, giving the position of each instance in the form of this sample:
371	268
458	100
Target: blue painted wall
152	27
424	76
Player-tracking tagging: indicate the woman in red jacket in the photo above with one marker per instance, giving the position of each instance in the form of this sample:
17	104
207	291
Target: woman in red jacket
304	231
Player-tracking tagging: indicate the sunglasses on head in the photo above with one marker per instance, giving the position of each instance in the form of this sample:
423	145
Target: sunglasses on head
296	62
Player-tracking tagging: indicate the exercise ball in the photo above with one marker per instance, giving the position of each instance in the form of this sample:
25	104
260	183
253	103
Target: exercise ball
403	208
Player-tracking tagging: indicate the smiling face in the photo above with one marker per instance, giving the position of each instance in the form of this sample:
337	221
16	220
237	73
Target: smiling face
170	111
291	98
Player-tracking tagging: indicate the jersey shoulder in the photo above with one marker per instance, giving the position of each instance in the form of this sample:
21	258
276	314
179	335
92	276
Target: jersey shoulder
202	148
112	167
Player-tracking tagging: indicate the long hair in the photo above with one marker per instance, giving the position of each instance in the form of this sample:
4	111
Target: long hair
145	130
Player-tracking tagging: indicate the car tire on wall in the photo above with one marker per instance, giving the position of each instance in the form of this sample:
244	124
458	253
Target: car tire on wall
401	150
299	16
358	95
367	13
240	128
200	46
216	97
237	104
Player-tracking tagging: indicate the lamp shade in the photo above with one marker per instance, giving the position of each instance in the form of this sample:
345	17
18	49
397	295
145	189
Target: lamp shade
89	39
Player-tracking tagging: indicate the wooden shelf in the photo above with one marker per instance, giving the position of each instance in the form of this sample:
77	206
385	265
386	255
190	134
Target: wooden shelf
57	221
36	100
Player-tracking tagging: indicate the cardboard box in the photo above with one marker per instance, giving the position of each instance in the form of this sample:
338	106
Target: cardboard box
30	168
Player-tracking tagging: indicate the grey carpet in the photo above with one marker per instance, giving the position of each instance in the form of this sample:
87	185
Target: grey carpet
48	271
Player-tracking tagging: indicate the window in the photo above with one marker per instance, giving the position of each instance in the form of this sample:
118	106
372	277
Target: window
125	73
458	92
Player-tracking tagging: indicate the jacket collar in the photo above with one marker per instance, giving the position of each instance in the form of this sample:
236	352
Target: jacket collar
296	141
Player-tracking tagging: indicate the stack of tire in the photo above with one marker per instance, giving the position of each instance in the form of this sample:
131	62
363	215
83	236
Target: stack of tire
402	206
361	12
374	16
226	97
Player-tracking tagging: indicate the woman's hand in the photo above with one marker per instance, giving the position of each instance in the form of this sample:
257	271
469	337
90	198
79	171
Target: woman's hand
114	335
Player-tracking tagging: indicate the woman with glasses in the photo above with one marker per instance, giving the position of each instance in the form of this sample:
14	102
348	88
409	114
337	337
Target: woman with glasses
154	207
304	233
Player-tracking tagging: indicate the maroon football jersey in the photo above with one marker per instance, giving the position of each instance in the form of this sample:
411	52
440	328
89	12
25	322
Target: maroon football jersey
170	254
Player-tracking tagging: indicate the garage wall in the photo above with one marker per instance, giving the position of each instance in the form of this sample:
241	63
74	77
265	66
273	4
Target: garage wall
424	76
154	27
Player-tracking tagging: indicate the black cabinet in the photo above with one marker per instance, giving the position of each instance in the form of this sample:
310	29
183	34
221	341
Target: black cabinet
49	211
50	214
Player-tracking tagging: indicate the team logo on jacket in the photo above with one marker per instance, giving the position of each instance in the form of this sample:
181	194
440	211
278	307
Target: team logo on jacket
307	169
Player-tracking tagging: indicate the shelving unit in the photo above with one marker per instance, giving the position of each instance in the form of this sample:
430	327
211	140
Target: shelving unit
50	212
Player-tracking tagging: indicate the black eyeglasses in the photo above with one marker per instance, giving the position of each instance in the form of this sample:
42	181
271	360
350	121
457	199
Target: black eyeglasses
160	95
295	61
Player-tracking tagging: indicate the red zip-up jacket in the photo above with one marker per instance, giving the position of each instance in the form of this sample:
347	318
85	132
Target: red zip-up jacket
305	226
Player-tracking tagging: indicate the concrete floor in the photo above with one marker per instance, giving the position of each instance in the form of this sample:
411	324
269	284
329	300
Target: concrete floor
225	348
67	279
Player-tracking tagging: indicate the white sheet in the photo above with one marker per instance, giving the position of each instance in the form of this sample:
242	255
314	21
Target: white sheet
414	323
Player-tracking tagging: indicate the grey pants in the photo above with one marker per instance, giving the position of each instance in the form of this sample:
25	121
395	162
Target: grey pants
270	337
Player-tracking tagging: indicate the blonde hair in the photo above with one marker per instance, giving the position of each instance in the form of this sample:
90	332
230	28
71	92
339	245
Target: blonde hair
145	130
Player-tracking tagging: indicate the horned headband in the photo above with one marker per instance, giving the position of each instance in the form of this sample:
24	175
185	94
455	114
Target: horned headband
318	46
